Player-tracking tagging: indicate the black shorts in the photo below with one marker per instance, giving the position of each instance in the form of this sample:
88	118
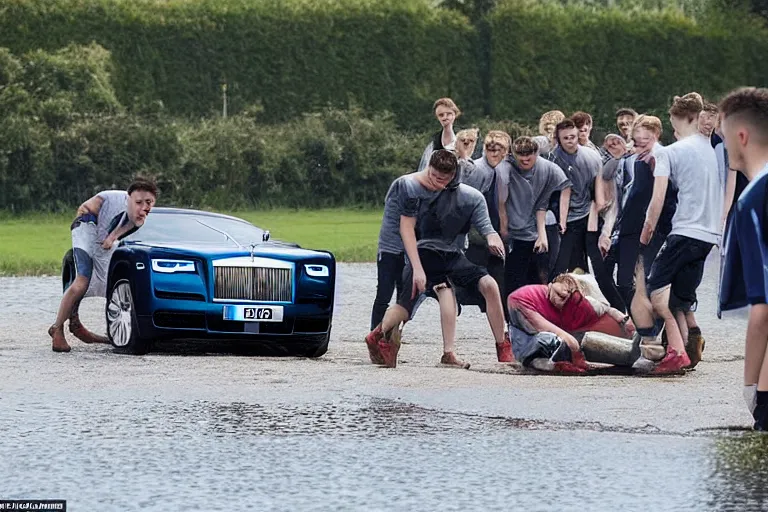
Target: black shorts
680	263
451	268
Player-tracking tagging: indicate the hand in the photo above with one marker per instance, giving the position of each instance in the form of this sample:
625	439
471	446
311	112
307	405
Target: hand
541	245
646	157
108	242
563	227
504	233
495	245
604	244
647	234
419	283
629	328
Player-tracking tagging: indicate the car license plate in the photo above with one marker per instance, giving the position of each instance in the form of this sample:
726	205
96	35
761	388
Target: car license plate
254	313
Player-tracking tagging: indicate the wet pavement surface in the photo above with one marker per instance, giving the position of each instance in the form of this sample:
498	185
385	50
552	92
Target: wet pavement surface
198	428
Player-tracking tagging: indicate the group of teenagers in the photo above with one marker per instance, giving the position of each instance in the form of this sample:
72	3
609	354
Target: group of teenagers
553	236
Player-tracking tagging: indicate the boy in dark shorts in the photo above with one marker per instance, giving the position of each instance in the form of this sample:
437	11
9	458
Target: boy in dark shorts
690	165
434	210
744	279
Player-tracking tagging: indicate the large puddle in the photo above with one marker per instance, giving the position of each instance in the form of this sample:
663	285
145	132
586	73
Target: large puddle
373	455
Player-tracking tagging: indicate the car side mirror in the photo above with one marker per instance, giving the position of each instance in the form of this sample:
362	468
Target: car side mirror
265	236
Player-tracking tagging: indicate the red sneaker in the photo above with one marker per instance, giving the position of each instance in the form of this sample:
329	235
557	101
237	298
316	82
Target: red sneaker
579	361
672	364
389	346
568	367
504	350
372	340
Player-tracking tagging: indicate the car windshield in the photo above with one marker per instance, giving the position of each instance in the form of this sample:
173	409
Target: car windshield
162	227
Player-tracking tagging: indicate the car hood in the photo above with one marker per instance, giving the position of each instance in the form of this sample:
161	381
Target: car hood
275	250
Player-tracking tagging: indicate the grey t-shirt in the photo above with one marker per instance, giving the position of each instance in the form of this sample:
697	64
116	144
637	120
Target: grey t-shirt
112	213
581	169
691	165
526	192
443	216
389	234
480	175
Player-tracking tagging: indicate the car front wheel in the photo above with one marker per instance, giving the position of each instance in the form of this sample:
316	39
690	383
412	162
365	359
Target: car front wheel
122	326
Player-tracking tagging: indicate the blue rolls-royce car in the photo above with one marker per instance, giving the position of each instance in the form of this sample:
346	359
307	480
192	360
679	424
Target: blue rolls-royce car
195	275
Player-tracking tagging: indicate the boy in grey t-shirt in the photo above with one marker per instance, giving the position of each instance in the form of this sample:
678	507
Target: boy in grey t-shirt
429	229
100	223
524	198
691	165
581	166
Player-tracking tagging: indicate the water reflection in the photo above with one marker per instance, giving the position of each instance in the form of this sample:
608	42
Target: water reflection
740	472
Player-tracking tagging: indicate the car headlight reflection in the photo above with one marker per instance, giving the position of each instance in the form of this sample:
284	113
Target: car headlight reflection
173	266
316	270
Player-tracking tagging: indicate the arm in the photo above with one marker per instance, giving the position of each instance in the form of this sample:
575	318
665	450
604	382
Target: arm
425	158
541	324
602	192
565	204
730	191
115	235
408	234
660	184
92	206
542	245
503	194
482	223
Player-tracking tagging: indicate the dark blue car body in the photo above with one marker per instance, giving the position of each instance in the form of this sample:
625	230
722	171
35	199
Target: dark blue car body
189	274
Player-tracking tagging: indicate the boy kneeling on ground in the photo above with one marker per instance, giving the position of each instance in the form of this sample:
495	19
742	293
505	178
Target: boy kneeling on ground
434	210
545	321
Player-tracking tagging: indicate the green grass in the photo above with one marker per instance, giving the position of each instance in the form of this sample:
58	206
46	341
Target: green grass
35	244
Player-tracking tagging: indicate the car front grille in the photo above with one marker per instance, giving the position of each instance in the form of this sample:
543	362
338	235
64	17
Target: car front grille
253	283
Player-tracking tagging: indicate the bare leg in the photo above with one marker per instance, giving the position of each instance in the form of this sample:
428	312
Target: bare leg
660	301
641	308
493	308
682	324
70	302
447	301
68	306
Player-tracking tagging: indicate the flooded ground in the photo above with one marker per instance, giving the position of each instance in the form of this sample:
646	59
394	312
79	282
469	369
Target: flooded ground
198	429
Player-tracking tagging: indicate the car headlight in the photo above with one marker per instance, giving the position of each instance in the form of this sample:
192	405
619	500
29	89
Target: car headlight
173	266
316	270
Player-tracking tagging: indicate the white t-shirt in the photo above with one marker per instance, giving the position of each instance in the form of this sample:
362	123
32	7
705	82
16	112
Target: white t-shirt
691	165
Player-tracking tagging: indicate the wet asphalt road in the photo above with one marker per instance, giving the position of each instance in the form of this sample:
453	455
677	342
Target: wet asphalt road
204	430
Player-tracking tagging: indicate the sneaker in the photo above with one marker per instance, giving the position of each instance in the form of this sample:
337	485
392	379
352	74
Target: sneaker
78	329
672	364
579	361
389	346
59	342
694	346
450	359
372	341
643	365
504	350
568	368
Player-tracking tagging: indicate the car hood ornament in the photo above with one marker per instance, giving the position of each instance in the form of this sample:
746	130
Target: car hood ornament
253	249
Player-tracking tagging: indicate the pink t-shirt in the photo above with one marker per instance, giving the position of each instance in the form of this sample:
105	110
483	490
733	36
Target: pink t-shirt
576	315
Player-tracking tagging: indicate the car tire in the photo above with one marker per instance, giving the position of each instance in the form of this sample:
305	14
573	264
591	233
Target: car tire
319	350
68	271
122	325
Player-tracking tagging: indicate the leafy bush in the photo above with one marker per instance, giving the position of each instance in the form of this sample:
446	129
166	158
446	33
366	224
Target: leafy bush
289	56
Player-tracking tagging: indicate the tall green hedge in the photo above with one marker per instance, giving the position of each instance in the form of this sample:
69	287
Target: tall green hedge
576	58
283	56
